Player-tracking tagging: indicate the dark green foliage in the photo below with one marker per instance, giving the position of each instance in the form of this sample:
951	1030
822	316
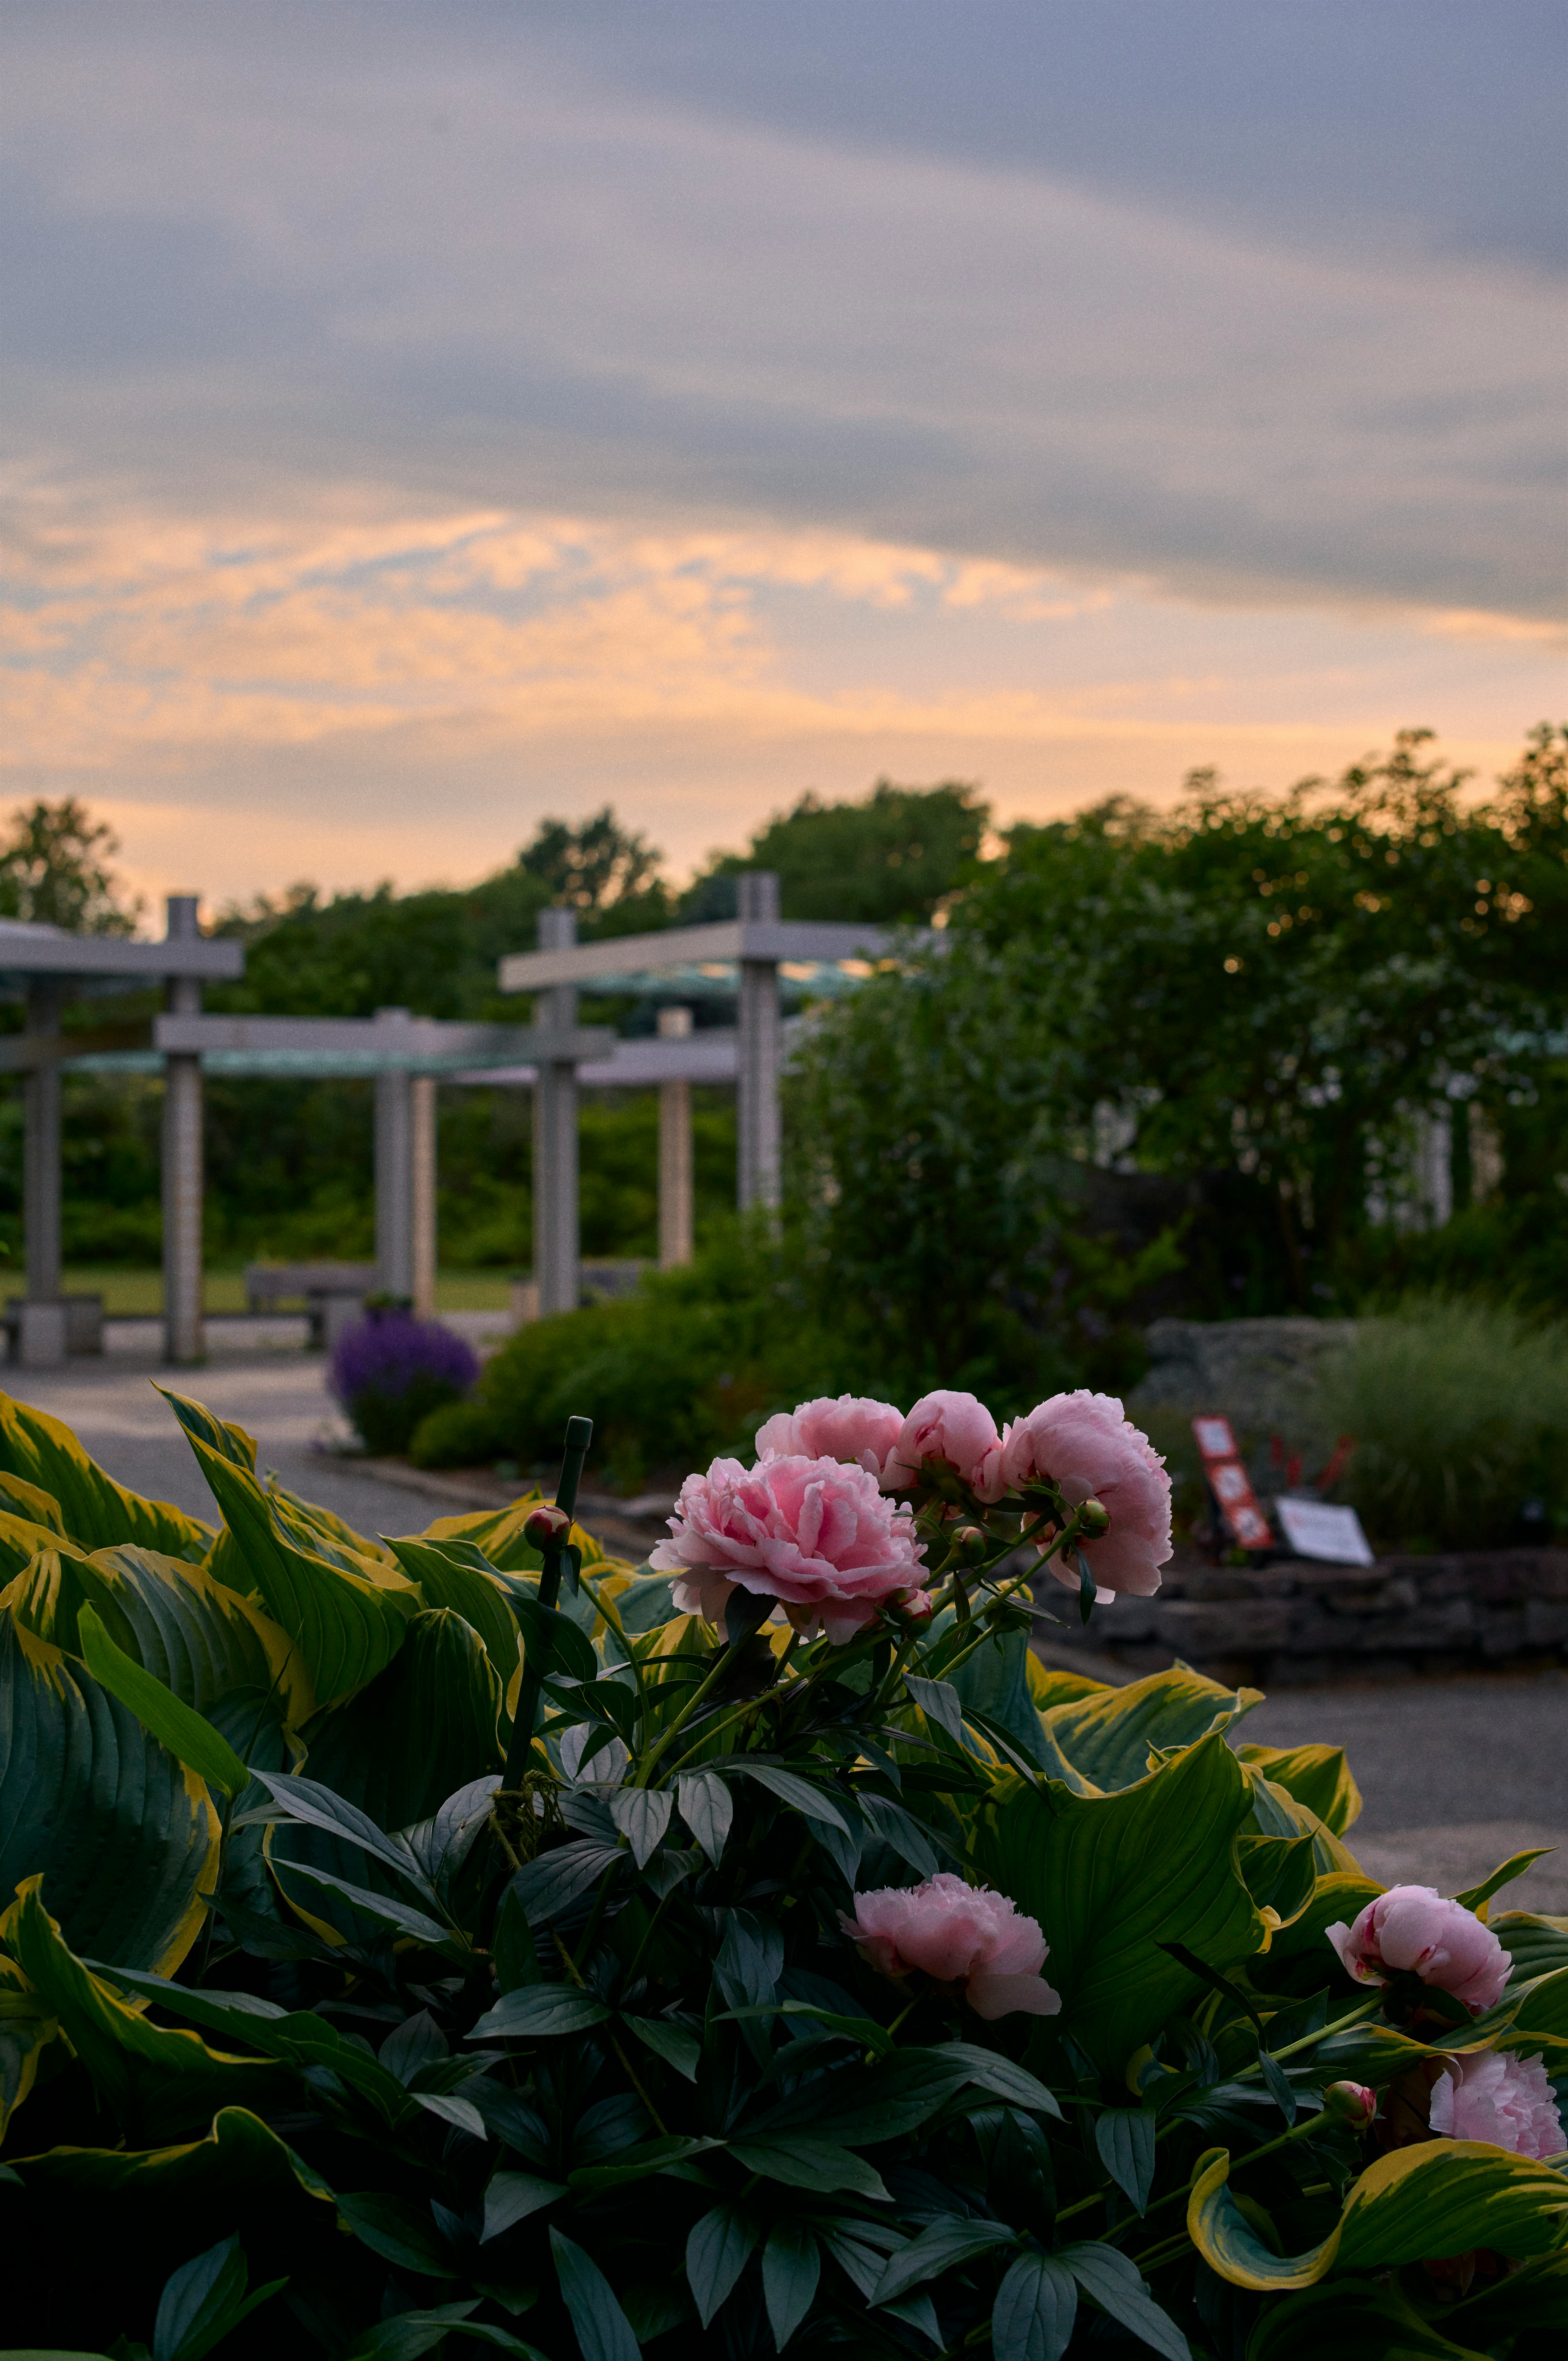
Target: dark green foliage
893	857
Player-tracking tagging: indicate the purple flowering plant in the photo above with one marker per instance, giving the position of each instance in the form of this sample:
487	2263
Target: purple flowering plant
391	1369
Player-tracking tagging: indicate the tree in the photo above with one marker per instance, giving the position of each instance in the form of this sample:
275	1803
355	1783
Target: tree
897	856
53	870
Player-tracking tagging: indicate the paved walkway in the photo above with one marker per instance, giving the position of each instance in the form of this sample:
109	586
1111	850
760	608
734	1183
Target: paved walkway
1457	1774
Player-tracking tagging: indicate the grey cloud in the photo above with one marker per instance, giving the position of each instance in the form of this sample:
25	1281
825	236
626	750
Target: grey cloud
500	259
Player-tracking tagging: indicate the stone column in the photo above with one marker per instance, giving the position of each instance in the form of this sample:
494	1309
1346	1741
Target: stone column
556	1230
757	1146
184	1337
674	1153
394	1165
41	1344
422	1111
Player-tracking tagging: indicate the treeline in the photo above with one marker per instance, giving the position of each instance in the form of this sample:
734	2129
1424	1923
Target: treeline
1241	1056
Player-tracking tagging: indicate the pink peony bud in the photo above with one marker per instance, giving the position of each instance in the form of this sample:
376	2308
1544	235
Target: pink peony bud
955	1934
1506	2101
546	1527
1352	2103
1412	1929
953	1432
853	1427
1082	1444
818	1536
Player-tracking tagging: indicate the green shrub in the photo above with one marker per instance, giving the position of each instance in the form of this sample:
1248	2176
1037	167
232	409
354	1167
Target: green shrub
688	1367
1459	1408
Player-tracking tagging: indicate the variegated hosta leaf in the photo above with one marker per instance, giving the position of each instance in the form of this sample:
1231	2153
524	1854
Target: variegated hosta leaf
124	1837
157	2079
94	1510
189	1630
1443	2197
1318	1776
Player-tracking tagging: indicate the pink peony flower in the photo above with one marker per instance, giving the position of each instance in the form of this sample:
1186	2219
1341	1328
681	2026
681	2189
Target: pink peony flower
1505	2101
956	1432
955	1934
1082	1444
820	1537
1412	1927
852	1428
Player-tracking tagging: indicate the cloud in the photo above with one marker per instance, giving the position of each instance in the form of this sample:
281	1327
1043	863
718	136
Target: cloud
475	269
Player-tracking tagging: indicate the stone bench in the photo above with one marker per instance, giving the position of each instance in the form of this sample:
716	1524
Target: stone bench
332	1293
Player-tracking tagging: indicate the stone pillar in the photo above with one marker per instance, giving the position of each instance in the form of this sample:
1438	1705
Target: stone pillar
674	1153
184	1337
394	1166
556	1229
422	1112
757	1146
41	1343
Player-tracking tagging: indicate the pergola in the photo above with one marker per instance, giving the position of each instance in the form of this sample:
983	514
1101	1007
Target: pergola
746	953
404	1054
50	966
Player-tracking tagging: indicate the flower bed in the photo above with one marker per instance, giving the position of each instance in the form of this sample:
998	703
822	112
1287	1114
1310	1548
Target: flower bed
464	1938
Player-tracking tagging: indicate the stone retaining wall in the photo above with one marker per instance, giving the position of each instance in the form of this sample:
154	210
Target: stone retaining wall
1299	1622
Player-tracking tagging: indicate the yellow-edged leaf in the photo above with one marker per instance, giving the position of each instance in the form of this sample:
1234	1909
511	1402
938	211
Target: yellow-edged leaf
95	1511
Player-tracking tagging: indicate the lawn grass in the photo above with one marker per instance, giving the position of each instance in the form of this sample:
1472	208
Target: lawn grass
128	1292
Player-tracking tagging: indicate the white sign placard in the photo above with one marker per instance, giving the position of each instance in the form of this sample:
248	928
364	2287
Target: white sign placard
1318	1528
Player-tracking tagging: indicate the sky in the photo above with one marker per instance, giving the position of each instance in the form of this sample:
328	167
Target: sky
415	422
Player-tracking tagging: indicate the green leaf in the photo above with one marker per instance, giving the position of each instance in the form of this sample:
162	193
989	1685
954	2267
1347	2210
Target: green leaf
539	2012
1125	2137
188	1735
999	2076
299	2038
707	1809
673	2043
441	1686
802	1795
232	1442
1099	1744
643	1815
407	2335
1515	1866
549	1886
940	1702
474	1592
385	1909
511	2197
203	2302
938	2247
551	1639
1111	1879
347	1626
1535	1945
124	1837
241	2160
718	2250
807	2164
513	1951
646	1604
157	2079
398	2232
1443	2197
1116	2287
1280	1872
994	1684
1532	2298
1318	1776
640	2162
1037	2304
97	1513
602	2329
312	1805
1354	2320
791	2266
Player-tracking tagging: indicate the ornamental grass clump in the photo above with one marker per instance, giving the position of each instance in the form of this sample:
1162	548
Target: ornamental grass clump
390	1370
466	1938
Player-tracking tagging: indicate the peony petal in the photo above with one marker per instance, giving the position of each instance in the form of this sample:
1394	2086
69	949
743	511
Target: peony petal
993	1996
